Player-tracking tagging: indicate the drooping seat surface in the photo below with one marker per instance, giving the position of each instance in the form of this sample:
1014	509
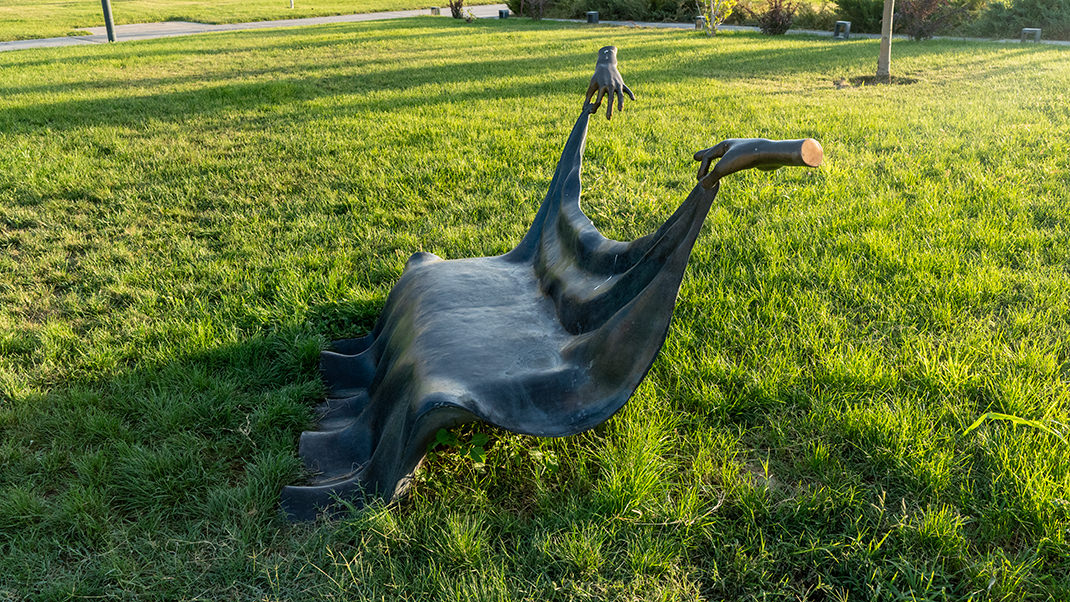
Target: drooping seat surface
550	339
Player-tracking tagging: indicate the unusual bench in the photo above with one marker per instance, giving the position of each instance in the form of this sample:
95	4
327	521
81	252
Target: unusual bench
550	339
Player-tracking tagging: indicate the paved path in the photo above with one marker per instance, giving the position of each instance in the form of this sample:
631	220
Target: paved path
145	31
810	32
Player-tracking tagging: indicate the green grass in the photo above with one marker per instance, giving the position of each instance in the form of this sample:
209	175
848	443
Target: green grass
186	222
27	19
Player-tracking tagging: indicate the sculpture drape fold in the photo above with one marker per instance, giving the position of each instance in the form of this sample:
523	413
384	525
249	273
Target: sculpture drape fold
550	339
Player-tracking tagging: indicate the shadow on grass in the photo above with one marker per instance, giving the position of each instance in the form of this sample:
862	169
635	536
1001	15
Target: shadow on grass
413	31
482	79
201	438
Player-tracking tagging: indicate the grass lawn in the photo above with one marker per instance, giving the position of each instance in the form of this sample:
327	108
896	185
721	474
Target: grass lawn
186	222
26	19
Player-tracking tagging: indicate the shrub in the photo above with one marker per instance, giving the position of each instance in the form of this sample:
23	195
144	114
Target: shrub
822	17
922	19
518	7
671	10
744	13
1007	20
529	8
777	17
715	11
865	15
456	8
611	9
627	10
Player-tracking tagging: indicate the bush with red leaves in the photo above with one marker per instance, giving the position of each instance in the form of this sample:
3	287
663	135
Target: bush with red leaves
777	16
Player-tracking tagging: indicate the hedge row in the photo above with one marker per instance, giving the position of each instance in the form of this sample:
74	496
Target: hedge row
919	18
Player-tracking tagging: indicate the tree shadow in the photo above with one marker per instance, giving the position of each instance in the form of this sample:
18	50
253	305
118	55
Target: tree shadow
356	77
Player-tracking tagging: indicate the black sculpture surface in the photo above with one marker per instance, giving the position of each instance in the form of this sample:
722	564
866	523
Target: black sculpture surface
550	339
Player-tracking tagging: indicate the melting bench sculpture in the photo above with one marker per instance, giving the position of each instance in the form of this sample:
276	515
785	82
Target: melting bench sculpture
550	339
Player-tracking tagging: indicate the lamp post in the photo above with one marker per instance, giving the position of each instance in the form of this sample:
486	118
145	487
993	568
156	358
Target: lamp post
106	4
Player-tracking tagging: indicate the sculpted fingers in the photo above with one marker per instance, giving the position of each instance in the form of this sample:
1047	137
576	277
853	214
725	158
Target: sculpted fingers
713	152
607	81
707	155
591	89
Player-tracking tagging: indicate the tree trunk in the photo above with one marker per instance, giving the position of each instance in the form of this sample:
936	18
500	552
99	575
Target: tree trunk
885	59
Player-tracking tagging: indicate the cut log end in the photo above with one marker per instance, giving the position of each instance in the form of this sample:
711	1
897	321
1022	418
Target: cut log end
812	153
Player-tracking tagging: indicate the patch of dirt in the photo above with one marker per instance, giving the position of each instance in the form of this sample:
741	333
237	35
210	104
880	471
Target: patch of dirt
871	80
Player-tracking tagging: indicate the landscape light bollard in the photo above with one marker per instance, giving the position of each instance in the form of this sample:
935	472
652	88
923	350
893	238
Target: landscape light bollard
592	16
1033	32
291	4
842	30
700	22
503	14
106	5
435	11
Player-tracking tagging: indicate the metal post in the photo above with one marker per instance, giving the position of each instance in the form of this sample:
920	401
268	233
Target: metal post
106	5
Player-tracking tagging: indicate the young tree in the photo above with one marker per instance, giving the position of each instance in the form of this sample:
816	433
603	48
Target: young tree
884	60
715	11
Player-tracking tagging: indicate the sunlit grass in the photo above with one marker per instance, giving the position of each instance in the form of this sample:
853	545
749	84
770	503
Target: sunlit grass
186	222
26	19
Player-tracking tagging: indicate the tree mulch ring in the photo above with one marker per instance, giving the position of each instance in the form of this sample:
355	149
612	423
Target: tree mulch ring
872	80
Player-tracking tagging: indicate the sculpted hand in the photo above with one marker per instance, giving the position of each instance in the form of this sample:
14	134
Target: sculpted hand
607	80
737	154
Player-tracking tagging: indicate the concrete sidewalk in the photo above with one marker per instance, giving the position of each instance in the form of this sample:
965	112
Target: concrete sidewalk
146	31
805	32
